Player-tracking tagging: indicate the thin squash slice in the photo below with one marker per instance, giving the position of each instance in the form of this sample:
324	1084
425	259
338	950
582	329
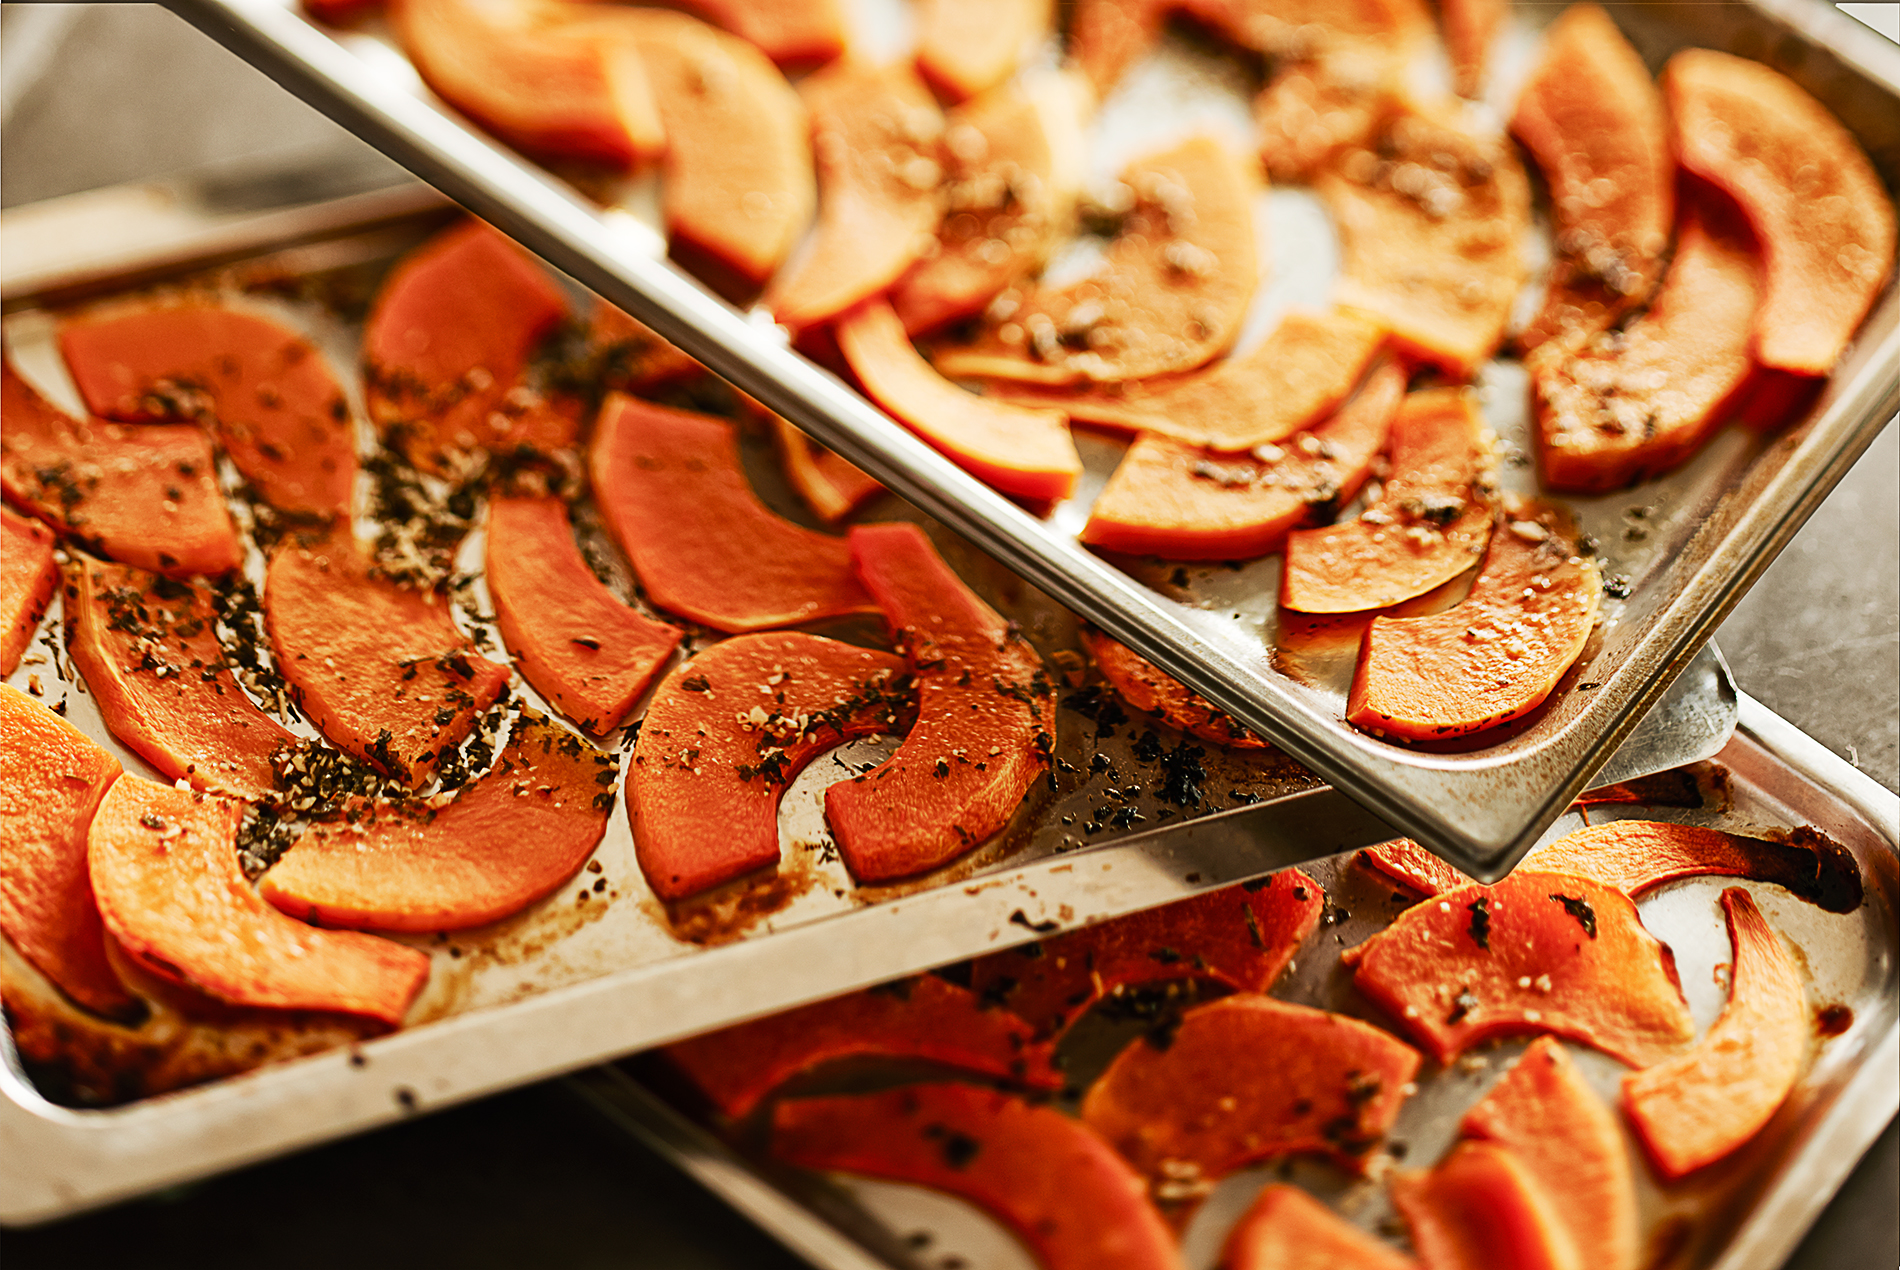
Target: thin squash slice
1287	1229
28	577
627	355
1481	1209
966	47
790	32
1154	692
831	486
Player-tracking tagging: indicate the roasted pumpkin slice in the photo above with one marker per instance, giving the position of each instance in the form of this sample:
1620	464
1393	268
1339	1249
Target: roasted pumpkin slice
508	838
1168	297
1243	936
1632	404
1021	451
832	487
1594	121
877	137
965	48
1045	1177
1567	1140
1429	525
146	494
446	344
790	32
924	1018
724	736
1537	953
164	867
56	777
673	494
1481	1209
381	669
1699	1107
262	389
1496	656
626	355
1287	1229
1470	28
1186	502
1406	862
1431	219
1189	1112
1106	37
1154	692
549	92
28	577
586	652
1825	222
148	650
986	718
1013	170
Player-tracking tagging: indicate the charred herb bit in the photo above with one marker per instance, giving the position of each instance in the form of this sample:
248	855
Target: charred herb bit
1166	955
1464	1004
1020	918
1148	746
1580	909
1253	928
262	839
152	820
1183	775
898	989
1159	1005
696	683
1098	704
994	993
1480	910
957	1148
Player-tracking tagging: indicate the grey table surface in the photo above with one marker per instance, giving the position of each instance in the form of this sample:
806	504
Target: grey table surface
96	95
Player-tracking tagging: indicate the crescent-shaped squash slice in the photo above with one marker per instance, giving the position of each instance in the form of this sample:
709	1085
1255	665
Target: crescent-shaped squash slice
1048	1179
1206	1104
1635	403
507	839
1243	936
586	652
1430	524
1699	1107
446	344
1411	865
1480	1209
1185	502
790	32
924	1018
876	137
986	718
1824	220
263	390
1594	121
148	650
1470	27
1154	692
56	778
673	494
1021	451
1168	297
547	91
965	47
28	577
627	355
1566	1138
382	670
1287	1229
830	486
725	735
1431	219
146	494
1537	953
1496	656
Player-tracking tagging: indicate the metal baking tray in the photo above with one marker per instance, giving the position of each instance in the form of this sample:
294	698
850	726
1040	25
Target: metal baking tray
1747	1215
1689	544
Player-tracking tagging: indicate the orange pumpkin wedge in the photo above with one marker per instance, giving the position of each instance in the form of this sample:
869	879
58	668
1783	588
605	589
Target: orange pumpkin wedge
1243	936
1050	1181
262	389
1430	524
985	718
832	487
1106	37
1168	297
1020	451
1633	404
1480	1209
509	838
790	32
876	135
1594	121
164	867
28	577
1153	691
584	650
382	670
965	47
146	494
631	356
673	494
925	1018
1431	219
1287	1229
1700	1107
446	344
1204	1104
1411	865
1497	655
148	650
57	777
725	735
1825	222
1537	953
1470	27
1568	1143
1185	502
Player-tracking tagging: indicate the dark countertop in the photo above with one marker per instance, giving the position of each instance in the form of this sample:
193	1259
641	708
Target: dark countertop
535	1177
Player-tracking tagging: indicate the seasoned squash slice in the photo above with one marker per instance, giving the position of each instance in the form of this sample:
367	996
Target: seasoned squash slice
1154	692
832	487
1481	1209
1287	1229
965	47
